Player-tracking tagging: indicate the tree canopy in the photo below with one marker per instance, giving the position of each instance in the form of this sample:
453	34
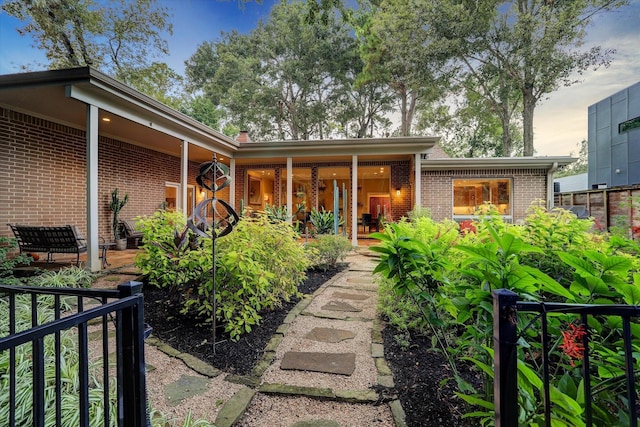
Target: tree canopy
473	71
119	37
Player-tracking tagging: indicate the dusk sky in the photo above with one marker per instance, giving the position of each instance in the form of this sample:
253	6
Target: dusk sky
560	121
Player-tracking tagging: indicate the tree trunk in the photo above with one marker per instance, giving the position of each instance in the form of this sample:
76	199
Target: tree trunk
528	105
403	111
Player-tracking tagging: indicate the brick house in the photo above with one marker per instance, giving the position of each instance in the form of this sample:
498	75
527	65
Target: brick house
69	137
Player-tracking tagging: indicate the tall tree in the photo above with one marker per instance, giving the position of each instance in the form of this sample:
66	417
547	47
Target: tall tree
531	46
399	53
291	78
115	36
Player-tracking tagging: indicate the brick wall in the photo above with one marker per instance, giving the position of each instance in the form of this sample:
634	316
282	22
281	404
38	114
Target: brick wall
529	185
43	172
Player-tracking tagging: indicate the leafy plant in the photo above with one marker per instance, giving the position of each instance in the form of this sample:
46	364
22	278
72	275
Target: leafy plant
276	213
258	265
415	268
68	277
69	374
171	257
329	249
322	222
116	206
499	255
7	264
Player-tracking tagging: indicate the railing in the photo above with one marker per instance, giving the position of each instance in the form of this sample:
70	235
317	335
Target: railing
72	314
505	335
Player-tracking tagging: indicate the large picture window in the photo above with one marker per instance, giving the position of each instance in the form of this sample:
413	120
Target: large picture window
469	194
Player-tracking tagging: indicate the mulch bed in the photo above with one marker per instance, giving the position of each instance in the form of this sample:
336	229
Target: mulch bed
424	382
186	335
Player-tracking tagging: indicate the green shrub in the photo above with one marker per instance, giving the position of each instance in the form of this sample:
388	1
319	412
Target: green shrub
329	249
7	264
259	264
172	259
322	222
449	281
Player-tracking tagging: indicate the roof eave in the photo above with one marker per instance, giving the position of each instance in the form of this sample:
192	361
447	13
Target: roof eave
327	147
498	163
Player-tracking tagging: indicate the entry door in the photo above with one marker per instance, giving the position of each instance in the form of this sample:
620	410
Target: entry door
379	205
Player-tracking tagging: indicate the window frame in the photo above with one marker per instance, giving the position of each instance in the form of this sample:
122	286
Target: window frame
508	215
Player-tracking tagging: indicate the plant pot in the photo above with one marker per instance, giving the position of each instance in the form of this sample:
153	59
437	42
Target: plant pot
121	244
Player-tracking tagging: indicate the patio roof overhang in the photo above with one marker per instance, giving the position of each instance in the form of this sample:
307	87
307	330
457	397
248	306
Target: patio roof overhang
62	96
334	150
547	163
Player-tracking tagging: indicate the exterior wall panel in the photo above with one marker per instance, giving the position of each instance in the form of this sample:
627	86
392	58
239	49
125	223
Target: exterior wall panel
610	149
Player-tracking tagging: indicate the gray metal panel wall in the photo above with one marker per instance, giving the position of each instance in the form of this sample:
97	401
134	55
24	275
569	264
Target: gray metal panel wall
614	158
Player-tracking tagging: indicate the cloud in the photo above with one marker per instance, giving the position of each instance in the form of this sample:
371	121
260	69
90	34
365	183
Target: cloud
560	122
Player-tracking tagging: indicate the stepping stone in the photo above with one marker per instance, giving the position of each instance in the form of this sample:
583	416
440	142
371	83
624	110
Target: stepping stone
316	423
355	297
329	335
186	387
360	280
330	363
340	306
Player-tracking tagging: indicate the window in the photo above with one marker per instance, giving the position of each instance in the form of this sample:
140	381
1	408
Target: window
629	125
469	194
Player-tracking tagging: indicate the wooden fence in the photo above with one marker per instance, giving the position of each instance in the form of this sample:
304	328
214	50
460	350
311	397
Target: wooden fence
609	206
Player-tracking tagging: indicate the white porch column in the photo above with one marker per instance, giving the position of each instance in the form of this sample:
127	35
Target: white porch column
184	171
417	180
354	201
290	188
93	255
232	186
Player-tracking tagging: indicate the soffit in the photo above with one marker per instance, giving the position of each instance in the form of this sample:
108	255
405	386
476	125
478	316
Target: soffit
365	149
497	163
52	95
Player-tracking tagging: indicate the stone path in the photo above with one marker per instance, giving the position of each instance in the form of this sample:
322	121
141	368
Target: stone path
323	367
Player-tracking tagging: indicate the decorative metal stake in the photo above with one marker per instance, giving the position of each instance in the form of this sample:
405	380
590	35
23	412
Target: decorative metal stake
213	176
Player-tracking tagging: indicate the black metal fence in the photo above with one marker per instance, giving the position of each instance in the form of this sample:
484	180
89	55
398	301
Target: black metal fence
505	335
107	330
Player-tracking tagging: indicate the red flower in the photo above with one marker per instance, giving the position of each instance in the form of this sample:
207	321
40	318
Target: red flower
572	342
467	226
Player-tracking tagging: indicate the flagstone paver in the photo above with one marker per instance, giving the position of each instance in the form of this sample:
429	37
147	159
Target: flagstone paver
340	306
187	386
329	335
330	363
355	297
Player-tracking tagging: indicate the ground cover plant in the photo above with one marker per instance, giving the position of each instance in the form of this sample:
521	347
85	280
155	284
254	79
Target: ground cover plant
68	354
438	282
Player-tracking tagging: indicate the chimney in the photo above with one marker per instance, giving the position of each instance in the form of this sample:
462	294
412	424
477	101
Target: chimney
243	136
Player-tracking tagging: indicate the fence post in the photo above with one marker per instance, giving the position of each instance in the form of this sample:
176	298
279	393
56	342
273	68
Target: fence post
505	361
134	396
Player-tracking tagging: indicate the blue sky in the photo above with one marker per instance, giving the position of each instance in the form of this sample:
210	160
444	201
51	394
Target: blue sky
560	122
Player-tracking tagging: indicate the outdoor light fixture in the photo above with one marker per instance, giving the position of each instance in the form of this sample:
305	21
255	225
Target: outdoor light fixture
321	185
106	119
397	191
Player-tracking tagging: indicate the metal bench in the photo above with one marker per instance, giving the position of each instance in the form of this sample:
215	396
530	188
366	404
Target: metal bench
50	240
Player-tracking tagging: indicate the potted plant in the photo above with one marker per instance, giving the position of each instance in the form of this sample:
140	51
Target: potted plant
116	205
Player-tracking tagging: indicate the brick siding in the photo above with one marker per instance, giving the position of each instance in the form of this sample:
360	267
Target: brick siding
529	185
44	175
